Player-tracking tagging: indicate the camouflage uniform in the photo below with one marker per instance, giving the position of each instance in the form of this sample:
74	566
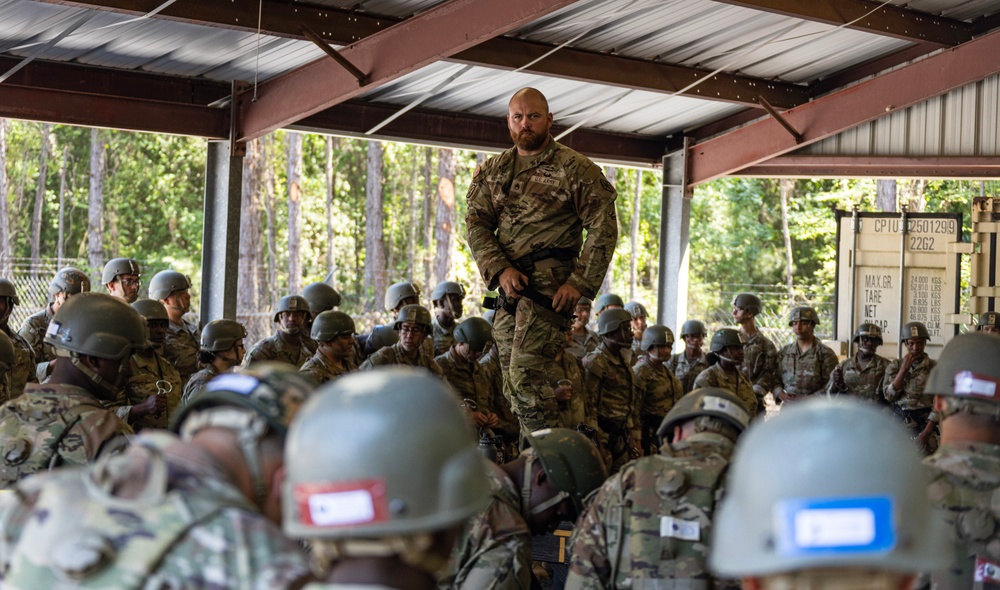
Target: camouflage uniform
580	408
683	486
442	337
865	383
146	371
657	389
507	425
52	425
910	404
466	377
320	369
516	210
33	332
759	357
181	348
198	381
201	532
396	355
966	486
686	370
23	371
274	348
637	351
494	550
804	373
735	383
610	383
585	344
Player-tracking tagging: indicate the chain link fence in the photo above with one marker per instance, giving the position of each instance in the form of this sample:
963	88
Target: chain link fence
777	307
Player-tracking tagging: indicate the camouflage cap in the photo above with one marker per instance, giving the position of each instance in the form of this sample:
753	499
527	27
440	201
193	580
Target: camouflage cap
7	289
656	335
321	297
989	318
706	401
292	303
612	320
329	325
749	302
868	331
571	461
119	266
693	328
7	354
607	300
637	310
69	280
397	292
166	282
914	330
726	337
418	314
221	335
447	288
151	309
803	313
968	373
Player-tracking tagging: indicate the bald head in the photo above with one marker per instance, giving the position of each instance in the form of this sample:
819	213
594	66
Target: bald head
529	121
531	94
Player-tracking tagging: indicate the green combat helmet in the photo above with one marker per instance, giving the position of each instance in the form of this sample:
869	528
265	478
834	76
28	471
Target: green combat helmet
656	335
612	320
221	335
447	288
637	310
711	402
260	400
868	331
321	297
989	318
166	282
857	501
693	328
804	313
914	330
397	292
329	325
749	302
69	280
119	266
291	303
354	473
585	302
151	309
7	289
570	460
726	337
968	375
476	332
380	337
607	300
418	314
7	356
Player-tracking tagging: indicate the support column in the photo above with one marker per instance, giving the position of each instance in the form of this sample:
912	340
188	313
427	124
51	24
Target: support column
221	239
675	225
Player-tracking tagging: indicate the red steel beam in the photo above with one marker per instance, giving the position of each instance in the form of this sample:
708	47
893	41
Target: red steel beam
845	109
872	17
876	167
403	48
95	110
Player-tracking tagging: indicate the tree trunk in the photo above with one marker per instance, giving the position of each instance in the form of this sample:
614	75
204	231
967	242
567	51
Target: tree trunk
35	236
411	233
912	191
428	212
331	184
787	186
636	212
7	252
248	288
608	284
294	178
95	215
885	195
61	238
444	224
374	246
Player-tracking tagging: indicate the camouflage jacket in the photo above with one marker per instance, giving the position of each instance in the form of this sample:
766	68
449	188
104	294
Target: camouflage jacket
966	486
494	550
52	425
320	369
466	377
580	408
911	397
442	337
197	382
23	371
274	348
656	386
548	204
663	506
508	425
181	348
735	383
865	383
146	372
686	370
33	332
610	382
196	530
804	373
584	344
759	357
395	355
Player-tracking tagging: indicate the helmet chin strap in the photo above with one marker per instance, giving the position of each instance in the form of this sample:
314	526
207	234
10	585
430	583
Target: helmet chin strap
109	387
526	508
725	358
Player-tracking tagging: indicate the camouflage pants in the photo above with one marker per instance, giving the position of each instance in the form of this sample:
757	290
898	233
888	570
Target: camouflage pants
528	345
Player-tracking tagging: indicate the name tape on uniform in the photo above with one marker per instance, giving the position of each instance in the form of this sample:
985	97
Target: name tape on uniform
724	406
341	504
809	526
973	385
685	530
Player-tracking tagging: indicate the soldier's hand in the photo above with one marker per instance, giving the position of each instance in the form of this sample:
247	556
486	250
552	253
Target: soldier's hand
492	419
788	397
479	419
563	393
153	406
838	378
512	281
565	298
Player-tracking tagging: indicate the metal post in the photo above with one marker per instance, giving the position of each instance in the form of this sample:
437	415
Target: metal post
903	229
675	224
221	235
855	231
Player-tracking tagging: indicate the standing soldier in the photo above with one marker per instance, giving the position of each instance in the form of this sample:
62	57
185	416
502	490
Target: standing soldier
414	326
68	282
759	353
173	290
863	374
153	390
22	368
905	379
121	279
851	517
460	365
656	386
222	350
64	421
447	301
639	316
989	323
333	332
321	297
648	525
286	345
965	468
725	360
689	363
611	384
803	366
585	340
528	210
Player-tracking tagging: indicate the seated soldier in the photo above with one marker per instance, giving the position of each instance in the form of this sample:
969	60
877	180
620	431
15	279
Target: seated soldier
333	332
286	345
221	351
